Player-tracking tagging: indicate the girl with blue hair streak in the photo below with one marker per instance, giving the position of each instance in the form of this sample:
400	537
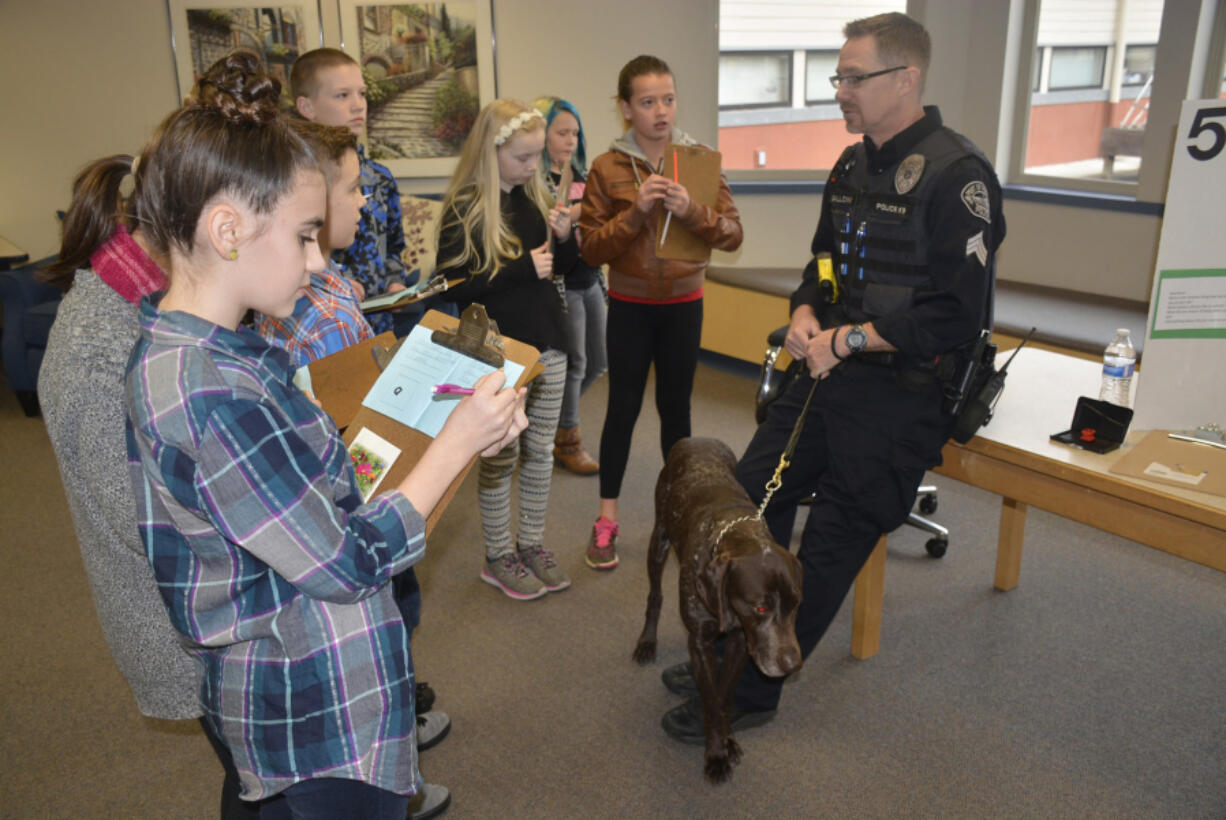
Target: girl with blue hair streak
584	286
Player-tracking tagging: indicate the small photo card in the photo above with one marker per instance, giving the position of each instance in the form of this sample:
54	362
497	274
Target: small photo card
372	456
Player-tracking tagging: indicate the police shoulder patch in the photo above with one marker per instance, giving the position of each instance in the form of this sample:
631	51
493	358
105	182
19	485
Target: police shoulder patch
909	172
975	197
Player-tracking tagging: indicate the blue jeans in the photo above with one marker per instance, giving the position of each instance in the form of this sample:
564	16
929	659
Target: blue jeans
587	358
328	798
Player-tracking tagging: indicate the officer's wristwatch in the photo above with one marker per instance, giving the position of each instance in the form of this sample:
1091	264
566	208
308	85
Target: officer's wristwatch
856	339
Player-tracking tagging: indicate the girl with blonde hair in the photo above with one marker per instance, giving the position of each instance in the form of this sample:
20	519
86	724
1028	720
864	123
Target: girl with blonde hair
494	233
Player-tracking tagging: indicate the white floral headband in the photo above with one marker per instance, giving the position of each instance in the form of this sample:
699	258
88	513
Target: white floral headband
514	124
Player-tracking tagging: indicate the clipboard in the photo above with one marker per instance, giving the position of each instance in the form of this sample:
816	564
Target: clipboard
341	380
379	304
352	371
1176	463
699	169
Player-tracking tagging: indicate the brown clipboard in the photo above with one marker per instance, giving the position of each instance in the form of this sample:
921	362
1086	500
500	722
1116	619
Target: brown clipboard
343	379
699	169
1178	463
429	290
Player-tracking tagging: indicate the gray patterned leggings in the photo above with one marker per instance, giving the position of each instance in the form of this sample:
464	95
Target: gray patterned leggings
534	452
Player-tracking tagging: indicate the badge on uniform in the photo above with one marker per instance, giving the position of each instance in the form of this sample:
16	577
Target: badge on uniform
975	197
909	172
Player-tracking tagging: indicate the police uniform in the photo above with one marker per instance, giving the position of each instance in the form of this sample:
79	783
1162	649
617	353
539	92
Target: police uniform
912	227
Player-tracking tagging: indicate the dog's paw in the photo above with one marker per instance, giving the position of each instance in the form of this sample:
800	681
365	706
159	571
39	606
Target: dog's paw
718	768
645	652
734	751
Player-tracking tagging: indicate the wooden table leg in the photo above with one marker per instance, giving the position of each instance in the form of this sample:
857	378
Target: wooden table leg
866	606
1009	547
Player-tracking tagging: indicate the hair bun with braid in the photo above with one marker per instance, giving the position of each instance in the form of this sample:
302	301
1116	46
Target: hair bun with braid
239	89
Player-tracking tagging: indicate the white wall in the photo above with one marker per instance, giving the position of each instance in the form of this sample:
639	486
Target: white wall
577	56
77	81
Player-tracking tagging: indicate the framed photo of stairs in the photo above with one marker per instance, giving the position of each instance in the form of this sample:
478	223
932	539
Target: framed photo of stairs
203	32
429	67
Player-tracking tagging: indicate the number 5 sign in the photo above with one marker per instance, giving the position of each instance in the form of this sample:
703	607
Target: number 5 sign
1203	123
1183	366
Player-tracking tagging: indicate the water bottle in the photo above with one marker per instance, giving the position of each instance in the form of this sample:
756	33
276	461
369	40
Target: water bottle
1119	360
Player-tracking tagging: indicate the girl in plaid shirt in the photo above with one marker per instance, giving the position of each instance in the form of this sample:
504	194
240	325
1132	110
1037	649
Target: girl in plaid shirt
271	567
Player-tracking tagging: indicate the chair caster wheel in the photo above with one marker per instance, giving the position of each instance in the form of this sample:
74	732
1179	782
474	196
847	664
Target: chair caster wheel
937	546
928	504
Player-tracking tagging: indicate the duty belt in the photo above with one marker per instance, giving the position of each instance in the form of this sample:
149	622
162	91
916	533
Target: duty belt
878	359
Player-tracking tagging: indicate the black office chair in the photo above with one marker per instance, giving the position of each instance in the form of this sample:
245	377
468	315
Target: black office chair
771	385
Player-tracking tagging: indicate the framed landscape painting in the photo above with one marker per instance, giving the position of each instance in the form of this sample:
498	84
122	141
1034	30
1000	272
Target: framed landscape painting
201	33
429	67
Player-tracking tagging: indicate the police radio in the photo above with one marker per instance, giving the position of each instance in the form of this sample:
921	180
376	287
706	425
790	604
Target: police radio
981	387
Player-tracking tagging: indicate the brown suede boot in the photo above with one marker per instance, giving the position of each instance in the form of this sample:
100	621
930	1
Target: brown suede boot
569	452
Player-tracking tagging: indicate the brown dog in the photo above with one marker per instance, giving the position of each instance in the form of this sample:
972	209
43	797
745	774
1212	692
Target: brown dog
735	581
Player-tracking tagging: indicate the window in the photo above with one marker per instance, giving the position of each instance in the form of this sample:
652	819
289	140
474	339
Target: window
755	79
1076	68
1082	121
819	67
1138	64
776	107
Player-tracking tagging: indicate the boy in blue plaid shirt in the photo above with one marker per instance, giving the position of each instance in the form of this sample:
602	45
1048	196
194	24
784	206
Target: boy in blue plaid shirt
327	317
328	88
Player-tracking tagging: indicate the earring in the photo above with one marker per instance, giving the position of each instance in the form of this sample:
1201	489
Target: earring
233	254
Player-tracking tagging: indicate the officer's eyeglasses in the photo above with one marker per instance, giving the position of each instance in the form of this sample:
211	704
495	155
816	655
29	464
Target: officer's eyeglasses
854	80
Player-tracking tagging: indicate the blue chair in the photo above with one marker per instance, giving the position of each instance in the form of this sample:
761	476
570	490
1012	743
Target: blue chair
29	311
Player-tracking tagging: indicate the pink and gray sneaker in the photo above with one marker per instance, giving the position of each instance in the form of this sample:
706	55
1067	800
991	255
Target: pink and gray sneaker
602	550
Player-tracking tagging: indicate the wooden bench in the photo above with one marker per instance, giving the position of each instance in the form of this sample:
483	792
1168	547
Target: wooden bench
743	305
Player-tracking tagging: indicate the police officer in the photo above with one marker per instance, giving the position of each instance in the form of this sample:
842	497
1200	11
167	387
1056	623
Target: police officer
911	217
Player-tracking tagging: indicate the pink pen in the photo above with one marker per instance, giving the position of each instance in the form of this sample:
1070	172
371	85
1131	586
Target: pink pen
442	389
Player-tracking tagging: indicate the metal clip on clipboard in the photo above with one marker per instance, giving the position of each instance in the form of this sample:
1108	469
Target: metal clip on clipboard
477	337
472	337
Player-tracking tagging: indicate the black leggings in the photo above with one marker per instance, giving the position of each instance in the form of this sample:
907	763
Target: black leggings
639	335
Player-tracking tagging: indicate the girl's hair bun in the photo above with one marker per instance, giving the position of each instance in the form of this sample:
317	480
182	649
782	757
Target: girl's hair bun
239	89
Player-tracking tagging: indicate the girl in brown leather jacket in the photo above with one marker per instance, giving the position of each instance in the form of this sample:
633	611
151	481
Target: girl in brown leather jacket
655	305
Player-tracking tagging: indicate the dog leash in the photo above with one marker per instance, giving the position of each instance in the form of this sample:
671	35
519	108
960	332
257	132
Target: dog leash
785	461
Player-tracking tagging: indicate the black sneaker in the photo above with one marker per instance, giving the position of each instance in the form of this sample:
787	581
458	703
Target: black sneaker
424	697
684	723
679	679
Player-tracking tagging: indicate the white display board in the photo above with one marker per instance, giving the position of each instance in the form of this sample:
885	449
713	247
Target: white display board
1184	361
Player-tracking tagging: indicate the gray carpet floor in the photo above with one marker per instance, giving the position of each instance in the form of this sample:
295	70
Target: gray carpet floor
1097	688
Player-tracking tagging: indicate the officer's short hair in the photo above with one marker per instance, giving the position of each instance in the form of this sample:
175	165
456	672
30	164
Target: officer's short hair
900	40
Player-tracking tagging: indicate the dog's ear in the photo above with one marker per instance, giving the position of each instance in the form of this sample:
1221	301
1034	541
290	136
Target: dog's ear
712	589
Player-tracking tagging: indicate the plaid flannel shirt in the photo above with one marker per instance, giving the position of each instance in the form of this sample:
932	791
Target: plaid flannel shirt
374	257
268	562
326	319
